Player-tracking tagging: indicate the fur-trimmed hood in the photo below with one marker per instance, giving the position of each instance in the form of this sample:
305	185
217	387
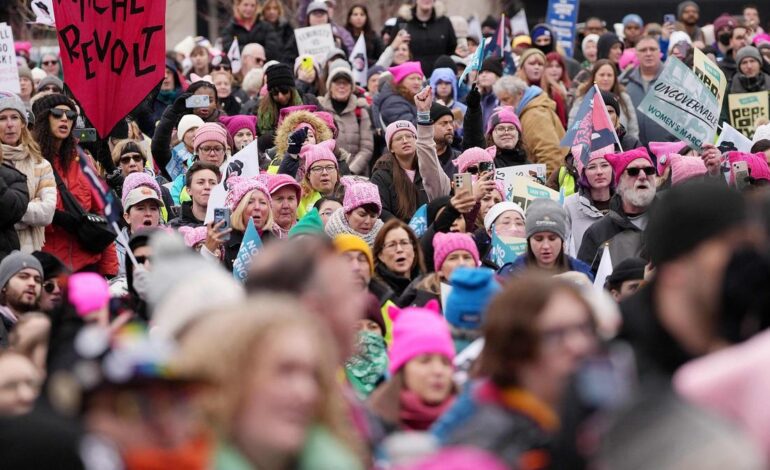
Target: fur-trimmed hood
322	131
406	11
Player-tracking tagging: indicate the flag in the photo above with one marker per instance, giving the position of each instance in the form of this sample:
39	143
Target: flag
419	222
245	163
250	246
592	130
111	209
605	268
475	63
43	10
359	61
234	54
500	46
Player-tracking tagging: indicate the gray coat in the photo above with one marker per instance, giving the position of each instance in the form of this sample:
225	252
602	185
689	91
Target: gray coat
355	133
581	214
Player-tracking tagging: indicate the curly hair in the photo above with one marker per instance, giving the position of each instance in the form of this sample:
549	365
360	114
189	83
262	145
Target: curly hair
48	148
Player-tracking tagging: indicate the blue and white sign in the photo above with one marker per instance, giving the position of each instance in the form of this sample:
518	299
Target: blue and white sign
562	17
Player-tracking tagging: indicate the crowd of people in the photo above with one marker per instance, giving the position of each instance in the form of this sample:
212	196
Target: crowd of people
374	325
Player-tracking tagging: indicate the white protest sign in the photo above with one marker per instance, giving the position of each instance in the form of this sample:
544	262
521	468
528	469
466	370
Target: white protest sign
245	163
234	54
535	171
216	200
43	10
316	41
9	71
731	134
604	270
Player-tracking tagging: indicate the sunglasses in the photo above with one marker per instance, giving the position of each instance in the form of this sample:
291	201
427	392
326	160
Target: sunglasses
50	62
126	159
60	113
50	286
280	91
634	172
226	68
474	170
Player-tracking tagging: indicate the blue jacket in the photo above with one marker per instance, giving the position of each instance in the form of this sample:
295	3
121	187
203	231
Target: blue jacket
390	107
447	75
520	263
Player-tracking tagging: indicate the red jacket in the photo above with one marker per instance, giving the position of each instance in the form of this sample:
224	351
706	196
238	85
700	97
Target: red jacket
65	245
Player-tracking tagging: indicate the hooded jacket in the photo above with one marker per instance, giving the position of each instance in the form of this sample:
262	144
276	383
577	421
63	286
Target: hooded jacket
581	214
14	198
447	75
605	43
541	129
429	39
390	107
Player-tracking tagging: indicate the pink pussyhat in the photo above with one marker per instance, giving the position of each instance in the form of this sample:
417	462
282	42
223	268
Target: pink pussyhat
316	153
88	293
756	162
472	156
416	331
400	72
446	243
659	149
620	161
284	112
360	193
502	115
683	168
240	187
193	235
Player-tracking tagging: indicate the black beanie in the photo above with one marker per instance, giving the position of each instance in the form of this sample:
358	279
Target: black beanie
689	214
437	111
48	102
52	266
444	62
279	75
492	64
610	100
630	269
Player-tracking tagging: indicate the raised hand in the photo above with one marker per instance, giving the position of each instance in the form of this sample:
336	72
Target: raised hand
424	99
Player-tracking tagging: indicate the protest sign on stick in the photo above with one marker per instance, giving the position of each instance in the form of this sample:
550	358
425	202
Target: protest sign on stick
359	61
9	71
710	74
316	41
746	109
113	55
682	104
730	134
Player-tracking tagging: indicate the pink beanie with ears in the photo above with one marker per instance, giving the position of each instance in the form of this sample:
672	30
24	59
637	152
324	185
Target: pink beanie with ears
240	187
87	292
446	243
756	162
238	122
316	153
328	118
660	149
620	161
682	168
472	156
360	193
400	72
193	235
416	331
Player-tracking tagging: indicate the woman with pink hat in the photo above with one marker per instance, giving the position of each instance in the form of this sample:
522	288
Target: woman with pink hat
503	138
359	214
420	388
285	194
395	101
241	128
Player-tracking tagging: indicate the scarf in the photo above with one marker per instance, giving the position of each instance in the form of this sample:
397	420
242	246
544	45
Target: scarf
416	415
25	163
338	224
167	97
368	364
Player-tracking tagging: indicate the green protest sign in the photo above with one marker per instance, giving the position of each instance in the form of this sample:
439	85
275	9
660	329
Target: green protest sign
682	104
746	109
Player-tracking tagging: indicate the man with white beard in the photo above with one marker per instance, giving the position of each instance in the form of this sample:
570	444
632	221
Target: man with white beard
621	228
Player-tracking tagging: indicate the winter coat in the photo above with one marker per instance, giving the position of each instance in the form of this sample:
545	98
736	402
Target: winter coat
416	294
186	219
355	133
41	187
390	107
541	129
65	245
233	246
627	118
728	66
743	84
581	214
649	130
395	282
430	39
520	264
14	198
277	39
624	239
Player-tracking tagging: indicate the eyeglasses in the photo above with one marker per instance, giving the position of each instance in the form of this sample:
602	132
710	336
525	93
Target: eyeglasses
506	129
396	243
323	169
211	149
60	113
280	91
405	137
50	62
634	172
126	159
50	286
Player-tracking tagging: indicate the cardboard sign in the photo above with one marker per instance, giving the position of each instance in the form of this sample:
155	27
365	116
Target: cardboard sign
562	15
746	109
710	74
9	71
683	105
505	249
113	54
534	171
317	41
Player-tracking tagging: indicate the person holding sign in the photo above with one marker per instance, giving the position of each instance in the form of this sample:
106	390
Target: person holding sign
546	230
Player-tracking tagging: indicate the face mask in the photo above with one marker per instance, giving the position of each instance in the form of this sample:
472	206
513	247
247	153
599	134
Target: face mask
724	38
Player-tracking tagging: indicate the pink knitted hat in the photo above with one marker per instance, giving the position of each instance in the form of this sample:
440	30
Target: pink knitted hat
193	235
135	180
660	149
238	122
472	156
397	126
87	292
240	187
360	193
757	164
276	182
446	243
500	187
682	168
595	155
400	72
620	161
501	115
290	109
418	331
328	118
210	132
316	153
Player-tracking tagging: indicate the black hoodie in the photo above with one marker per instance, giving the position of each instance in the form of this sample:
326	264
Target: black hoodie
605	43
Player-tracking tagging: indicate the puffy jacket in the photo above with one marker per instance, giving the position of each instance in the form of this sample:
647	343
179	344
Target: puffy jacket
355	132
649	130
65	245
429	39
277	39
520	264
390	107
14	198
541	129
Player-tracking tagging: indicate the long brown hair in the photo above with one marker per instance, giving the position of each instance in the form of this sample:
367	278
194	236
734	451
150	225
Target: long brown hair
617	88
404	92
392	224
45	138
562	264
406	190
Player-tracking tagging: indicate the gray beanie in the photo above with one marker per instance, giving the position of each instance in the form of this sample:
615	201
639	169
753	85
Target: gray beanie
680	8
11	101
545	215
746	52
51	80
15	262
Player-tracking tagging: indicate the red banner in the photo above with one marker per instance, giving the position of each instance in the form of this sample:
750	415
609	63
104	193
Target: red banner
113	54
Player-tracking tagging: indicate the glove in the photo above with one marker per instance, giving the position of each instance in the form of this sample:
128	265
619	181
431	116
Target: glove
179	106
473	99
141	281
296	139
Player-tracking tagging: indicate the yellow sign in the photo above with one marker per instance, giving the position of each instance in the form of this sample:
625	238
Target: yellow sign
746	109
710	74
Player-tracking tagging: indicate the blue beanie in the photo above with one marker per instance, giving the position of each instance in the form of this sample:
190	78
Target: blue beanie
472	289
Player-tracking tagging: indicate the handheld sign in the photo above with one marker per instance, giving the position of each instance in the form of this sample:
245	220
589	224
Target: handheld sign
359	61
9	71
746	109
710	74
113	54
316	41
562	15
250	246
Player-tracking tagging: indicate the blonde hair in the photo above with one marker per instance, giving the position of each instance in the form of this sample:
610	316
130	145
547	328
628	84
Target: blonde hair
236	218
230	365
28	141
237	15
